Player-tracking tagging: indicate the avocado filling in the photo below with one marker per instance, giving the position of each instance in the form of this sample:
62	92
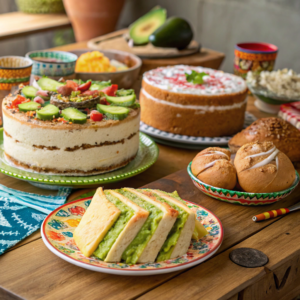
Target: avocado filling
111	236
137	246
173	236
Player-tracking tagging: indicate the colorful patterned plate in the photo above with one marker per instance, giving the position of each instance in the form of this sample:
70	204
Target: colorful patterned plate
57	233
183	140
243	198
146	157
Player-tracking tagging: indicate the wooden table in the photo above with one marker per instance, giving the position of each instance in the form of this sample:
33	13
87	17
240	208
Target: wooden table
30	271
19	24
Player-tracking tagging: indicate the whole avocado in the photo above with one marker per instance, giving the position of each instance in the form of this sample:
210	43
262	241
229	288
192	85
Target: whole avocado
174	33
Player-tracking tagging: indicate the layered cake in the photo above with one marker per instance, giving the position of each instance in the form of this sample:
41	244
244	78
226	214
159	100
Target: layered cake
193	101
44	138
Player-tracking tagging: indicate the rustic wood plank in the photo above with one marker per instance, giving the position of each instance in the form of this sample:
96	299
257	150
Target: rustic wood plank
19	24
219	278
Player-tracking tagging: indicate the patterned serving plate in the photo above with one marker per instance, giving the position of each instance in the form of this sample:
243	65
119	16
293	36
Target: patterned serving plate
57	233
182	140
242	198
146	157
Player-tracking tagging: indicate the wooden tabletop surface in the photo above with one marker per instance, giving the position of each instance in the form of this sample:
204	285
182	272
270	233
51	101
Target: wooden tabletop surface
30	271
19	24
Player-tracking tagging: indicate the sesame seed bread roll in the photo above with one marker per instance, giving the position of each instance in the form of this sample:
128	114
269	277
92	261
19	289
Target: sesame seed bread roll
281	133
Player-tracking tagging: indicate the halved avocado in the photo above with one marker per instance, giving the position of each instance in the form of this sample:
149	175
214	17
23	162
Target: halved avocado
143	27
174	33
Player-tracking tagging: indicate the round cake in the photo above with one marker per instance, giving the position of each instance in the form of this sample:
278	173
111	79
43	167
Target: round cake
83	146
193	101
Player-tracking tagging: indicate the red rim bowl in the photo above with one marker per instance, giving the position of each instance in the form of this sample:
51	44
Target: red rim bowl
256	48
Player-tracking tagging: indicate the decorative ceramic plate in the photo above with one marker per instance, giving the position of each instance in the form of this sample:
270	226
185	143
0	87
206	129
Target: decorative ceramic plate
191	140
146	157
238	197
57	233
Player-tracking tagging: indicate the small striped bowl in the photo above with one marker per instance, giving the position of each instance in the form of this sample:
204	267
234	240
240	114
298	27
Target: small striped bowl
242	198
63	68
14	70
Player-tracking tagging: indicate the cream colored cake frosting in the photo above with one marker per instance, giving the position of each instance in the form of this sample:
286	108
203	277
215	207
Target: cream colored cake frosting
69	149
173	79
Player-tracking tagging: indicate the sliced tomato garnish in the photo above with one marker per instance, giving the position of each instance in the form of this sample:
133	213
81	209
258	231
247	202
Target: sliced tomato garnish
84	87
19	100
72	84
110	90
96	116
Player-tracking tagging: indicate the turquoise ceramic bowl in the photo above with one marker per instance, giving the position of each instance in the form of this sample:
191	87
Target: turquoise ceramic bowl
56	64
242	198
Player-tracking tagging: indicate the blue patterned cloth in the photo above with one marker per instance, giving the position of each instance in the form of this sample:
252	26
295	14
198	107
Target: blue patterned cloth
23	213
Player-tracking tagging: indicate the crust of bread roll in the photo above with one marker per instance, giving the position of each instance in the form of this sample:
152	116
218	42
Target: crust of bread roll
160	235
129	232
262	168
214	167
284	136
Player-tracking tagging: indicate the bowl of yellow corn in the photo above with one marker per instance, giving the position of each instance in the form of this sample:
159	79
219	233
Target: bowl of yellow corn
120	67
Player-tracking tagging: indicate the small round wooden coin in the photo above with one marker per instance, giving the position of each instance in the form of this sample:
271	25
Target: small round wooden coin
248	257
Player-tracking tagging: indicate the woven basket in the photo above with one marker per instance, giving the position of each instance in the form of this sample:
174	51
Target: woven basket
41	6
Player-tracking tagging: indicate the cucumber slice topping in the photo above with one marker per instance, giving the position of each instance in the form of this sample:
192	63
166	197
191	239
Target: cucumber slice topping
29	91
99	85
123	92
121	101
74	115
113	112
48	112
48	84
29	106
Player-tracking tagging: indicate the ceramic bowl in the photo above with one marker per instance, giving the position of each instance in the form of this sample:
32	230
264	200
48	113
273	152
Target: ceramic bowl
65	67
254	57
242	198
14	70
267	101
124	79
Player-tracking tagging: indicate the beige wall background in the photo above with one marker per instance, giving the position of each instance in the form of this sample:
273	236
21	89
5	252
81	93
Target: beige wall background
217	24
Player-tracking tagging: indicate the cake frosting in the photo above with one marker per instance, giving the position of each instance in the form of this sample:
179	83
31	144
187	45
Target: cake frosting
173	79
214	108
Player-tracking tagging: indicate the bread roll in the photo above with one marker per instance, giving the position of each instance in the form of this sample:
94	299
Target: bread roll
263	168
285	136
213	166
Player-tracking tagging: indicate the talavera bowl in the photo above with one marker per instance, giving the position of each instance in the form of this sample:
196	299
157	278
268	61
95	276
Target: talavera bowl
242	198
59	64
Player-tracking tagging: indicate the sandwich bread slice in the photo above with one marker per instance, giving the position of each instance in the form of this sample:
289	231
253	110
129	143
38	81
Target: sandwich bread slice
179	238
95	223
131	229
146	245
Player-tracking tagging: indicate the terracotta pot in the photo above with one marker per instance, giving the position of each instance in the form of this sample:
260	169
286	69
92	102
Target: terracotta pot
92	18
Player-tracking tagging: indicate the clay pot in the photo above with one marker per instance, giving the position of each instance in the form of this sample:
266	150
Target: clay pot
92	18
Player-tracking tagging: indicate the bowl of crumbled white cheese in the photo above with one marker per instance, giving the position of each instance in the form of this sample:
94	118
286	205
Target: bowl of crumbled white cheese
274	88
